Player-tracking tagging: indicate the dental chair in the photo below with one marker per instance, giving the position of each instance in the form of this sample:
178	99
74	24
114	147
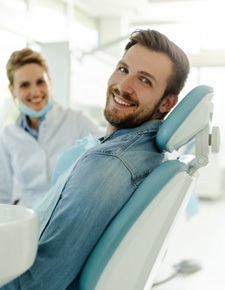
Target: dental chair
18	241
129	253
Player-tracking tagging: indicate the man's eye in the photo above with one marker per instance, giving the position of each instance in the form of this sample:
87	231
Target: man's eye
123	69
146	81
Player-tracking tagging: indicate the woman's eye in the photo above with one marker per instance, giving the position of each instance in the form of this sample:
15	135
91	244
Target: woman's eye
24	85
40	82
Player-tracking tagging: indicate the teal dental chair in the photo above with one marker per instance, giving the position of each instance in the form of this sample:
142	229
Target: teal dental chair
129	253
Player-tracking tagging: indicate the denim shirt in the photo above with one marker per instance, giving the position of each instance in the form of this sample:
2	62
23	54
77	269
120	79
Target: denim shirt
96	188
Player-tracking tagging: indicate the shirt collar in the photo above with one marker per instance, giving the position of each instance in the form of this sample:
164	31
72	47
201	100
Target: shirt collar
25	125
149	126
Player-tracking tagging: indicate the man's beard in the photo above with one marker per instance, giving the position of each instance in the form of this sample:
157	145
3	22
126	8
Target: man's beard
129	121
134	119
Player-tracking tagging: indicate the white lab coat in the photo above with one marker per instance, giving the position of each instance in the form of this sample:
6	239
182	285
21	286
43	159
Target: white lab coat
29	163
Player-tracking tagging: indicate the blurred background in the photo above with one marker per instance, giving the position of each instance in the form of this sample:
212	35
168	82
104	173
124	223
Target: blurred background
82	41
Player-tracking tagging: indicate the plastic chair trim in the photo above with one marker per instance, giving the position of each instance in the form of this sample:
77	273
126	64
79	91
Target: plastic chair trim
123	221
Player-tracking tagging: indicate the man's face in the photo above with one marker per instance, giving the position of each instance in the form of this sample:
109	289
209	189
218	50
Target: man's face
136	87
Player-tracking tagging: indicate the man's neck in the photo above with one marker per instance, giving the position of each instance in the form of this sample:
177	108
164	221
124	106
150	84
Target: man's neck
110	129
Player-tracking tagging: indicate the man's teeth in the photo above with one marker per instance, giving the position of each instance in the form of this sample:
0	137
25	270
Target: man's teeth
121	102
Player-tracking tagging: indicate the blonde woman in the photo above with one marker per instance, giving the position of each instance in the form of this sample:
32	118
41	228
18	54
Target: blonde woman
43	130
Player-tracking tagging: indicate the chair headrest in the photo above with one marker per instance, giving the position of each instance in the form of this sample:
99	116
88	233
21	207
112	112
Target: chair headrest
189	117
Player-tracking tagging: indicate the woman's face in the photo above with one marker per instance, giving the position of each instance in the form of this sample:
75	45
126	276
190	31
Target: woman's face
31	86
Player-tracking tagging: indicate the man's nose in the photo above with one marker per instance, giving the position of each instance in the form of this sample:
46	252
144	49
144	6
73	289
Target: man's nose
126	85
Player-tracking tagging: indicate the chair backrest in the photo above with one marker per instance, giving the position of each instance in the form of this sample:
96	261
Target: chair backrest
128	254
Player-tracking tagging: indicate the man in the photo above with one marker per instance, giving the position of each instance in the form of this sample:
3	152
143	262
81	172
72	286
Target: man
143	88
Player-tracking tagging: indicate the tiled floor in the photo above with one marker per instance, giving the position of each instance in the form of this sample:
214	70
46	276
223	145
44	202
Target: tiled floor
202	239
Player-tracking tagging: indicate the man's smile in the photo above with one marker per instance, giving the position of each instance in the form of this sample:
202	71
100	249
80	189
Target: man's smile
121	102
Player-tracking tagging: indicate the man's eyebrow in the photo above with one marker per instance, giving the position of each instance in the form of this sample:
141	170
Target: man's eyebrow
122	63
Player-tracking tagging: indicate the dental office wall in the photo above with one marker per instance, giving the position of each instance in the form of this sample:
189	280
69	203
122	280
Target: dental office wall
80	71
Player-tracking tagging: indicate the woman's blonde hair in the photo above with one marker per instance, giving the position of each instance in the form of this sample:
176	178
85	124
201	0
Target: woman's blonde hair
23	57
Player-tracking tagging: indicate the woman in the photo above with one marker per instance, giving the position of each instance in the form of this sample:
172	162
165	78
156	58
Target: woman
43	130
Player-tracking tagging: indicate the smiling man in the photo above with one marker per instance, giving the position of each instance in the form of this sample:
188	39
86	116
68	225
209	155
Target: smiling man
143	88
136	89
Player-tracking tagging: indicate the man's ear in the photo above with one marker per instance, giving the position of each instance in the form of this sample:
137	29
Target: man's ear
168	103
